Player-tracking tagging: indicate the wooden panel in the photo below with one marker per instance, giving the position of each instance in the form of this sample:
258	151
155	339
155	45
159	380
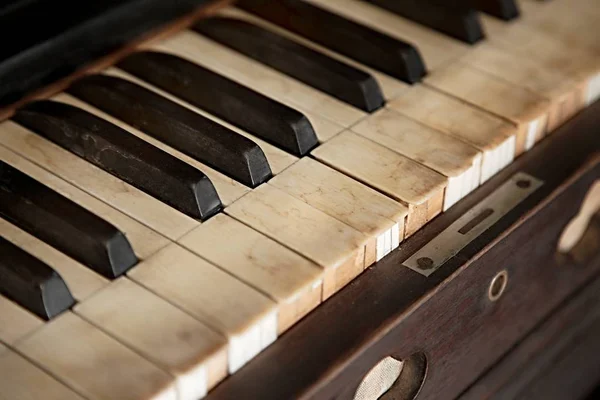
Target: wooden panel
161	333
22	380
416	186
304	229
16	321
80	173
94	364
289	279
376	216
244	315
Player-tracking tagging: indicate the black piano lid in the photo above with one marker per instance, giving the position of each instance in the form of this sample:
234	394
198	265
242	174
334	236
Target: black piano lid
47	40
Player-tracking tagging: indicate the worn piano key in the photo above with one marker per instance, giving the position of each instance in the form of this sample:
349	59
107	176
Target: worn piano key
94	364
495	137
32	283
304	229
450	18
20	379
245	316
504	9
326	74
193	353
453	158
527	110
144	240
401	178
378	217
17	322
177	126
278	159
123	155
64	224
436	49
290	280
391	87
225	98
228	189
248	72
100	184
393	57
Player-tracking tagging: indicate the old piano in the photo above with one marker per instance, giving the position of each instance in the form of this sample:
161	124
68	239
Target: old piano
299	199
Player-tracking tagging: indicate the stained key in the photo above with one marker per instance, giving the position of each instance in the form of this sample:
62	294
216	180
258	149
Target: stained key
123	155
318	70
32	283
63	224
191	133
370	47
240	106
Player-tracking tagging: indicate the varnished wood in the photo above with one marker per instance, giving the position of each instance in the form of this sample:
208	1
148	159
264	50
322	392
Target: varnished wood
394	57
342	81
199	137
64	224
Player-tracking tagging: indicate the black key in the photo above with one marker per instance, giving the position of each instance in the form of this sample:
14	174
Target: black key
370	47
63	224
503	9
123	155
318	70
449	18
31	283
251	111
179	127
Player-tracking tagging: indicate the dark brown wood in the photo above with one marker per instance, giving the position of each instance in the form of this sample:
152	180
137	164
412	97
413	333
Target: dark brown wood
348	84
454	19
384	53
31	283
542	365
187	131
391	310
63	224
241	106
123	155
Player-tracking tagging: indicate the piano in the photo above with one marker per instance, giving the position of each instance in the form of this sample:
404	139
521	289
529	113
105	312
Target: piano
299	199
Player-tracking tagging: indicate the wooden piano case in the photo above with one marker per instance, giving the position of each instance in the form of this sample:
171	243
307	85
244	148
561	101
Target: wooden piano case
521	345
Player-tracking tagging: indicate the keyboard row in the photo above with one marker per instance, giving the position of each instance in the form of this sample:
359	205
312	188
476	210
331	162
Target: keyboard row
165	220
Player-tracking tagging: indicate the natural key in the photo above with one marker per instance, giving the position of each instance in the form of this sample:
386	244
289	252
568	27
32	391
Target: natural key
370	47
31	283
237	104
191	133
63	224
123	155
316	69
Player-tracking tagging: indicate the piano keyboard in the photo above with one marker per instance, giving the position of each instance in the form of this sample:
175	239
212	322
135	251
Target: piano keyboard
165	220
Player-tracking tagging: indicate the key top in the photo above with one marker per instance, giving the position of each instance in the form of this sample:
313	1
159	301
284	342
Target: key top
177	126
17	322
225	98
31	283
453	20
124	156
63	224
339	80
503	9
394	57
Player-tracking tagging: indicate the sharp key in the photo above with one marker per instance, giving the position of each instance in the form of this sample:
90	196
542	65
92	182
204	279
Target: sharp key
394	57
272	121
318	70
62	223
189	132
454	20
123	155
31	283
